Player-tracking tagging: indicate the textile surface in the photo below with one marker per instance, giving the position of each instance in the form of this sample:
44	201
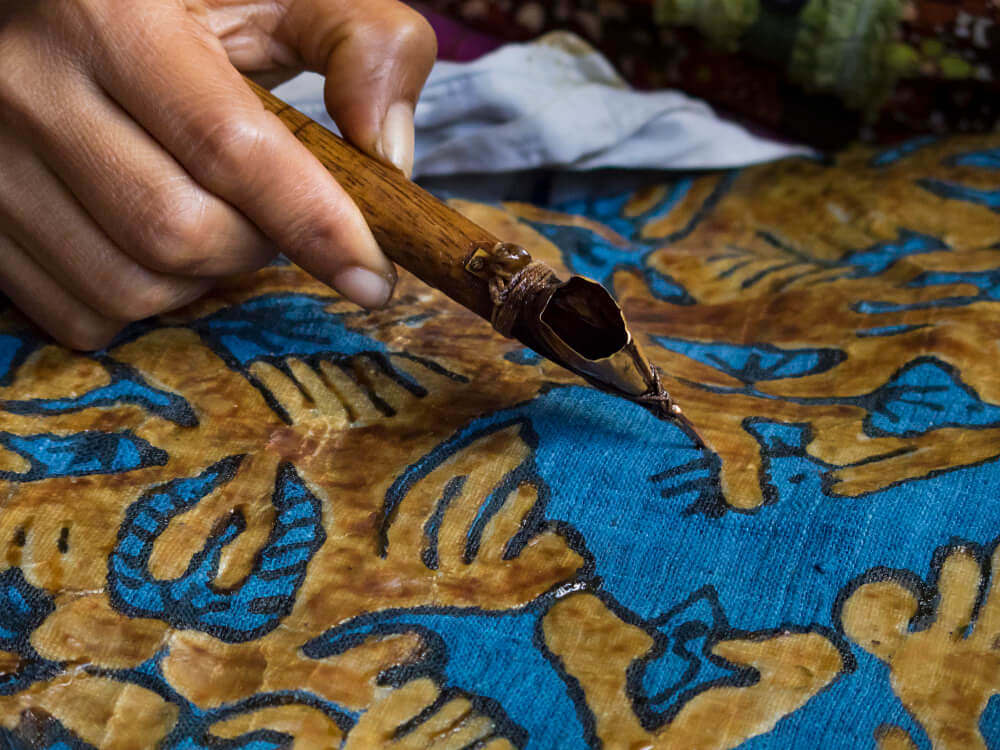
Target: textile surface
820	71
271	520
506	112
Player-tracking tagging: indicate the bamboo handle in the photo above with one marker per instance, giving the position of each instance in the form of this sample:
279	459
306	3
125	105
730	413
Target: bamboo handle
413	228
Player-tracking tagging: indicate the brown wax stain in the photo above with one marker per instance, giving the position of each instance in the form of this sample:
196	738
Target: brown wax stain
87	630
545	250
888	737
946	672
13	463
101	711
597	648
247	496
310	728
767	262
682	215
209	672
453	724
645	199
52	372
9	663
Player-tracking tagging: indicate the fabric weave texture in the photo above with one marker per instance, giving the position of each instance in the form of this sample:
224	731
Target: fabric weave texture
271	520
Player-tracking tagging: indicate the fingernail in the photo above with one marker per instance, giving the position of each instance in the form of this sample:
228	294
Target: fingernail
397	137
363	287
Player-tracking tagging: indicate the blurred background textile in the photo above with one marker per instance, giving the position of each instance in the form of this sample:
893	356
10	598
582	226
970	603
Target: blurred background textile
823	72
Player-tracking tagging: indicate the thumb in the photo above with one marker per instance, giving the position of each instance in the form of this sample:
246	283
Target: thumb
376	56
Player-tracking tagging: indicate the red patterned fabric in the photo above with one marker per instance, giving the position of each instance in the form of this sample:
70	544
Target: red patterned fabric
820	75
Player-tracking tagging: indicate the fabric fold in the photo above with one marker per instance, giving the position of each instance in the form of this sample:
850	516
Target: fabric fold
557	103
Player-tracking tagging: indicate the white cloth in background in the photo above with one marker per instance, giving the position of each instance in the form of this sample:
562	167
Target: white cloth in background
557	103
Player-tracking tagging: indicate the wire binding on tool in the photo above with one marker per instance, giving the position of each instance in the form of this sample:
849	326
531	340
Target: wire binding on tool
511	297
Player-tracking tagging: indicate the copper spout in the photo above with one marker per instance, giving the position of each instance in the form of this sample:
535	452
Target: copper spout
580	326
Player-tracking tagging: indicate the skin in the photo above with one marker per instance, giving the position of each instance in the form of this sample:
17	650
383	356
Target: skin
138	168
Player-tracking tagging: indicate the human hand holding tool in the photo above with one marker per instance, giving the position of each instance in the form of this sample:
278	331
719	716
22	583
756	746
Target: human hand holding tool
136	167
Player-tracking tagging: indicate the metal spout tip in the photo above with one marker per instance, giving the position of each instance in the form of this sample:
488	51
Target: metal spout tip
687	425
579	325
657	400
659	403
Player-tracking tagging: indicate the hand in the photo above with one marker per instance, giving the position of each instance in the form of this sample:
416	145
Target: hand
137	166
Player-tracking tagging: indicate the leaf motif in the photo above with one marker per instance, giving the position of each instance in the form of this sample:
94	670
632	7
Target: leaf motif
306	361
926	395
80	454
776	672
253	607
938	637
756	362
474	529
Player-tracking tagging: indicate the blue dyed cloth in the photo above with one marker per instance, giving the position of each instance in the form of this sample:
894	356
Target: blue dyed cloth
274	517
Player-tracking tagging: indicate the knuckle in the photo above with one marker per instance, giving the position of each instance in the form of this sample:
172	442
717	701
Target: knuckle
40	72
172	230
413	33
226	148
316	236
405	35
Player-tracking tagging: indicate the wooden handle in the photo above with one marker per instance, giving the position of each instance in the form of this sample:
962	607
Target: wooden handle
435	242
413	228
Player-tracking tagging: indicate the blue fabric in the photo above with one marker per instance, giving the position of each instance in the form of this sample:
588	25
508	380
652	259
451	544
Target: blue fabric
665	549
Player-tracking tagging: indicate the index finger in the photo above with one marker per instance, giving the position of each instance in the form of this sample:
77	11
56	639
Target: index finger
175	79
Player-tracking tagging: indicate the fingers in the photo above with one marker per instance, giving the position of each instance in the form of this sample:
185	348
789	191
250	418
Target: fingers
37	294
136	192
50	226
175	169
376	56
175	80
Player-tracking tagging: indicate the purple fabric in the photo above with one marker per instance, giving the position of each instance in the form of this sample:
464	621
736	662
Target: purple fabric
456	41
